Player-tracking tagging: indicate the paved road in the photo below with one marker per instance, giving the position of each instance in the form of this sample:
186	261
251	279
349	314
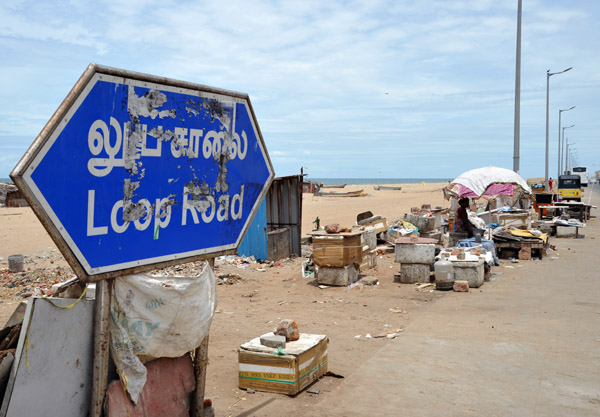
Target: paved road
525	344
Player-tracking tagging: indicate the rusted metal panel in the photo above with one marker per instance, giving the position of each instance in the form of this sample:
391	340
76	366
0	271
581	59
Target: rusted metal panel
279	244
284	208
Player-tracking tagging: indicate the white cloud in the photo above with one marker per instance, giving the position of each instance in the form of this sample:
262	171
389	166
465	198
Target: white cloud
323	77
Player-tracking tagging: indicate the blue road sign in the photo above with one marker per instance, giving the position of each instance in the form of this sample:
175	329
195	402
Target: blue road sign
136	171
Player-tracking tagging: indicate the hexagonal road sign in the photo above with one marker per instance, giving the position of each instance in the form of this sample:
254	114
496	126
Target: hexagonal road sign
135	172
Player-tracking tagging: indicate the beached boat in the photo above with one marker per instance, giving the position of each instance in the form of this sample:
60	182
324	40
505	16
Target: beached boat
386	187
341	193
334	186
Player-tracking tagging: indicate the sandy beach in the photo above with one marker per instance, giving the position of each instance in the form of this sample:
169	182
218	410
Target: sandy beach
391	204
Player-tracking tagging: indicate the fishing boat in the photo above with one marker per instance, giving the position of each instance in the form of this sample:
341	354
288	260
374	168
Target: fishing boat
386	187
334	186
341	193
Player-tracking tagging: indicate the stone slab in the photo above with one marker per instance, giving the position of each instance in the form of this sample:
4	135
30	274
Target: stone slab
273	341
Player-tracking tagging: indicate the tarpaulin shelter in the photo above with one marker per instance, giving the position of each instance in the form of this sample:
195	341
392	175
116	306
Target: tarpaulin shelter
487	182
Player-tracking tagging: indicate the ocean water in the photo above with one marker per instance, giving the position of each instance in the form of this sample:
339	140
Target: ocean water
380	181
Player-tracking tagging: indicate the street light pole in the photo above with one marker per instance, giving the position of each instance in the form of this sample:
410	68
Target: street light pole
559	142
516	152
563	141
548	75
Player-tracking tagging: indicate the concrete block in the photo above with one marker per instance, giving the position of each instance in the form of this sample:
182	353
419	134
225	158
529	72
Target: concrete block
337	276
416	253
425	224
273	341
370	281
370	237
412	273
525	254
461	286
473	272
166	392
566	231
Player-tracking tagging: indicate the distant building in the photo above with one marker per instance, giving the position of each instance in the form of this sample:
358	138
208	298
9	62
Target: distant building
11	196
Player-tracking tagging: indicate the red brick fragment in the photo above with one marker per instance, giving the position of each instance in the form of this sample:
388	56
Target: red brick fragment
289	329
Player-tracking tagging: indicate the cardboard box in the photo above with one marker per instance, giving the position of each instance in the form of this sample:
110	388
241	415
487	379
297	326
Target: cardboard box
377	222
369	259
337	250
261	368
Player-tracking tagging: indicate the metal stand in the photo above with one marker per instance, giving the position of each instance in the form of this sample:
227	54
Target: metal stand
101	346
200	364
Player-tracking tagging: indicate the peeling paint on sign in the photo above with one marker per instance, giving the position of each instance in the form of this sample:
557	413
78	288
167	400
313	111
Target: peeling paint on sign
165	171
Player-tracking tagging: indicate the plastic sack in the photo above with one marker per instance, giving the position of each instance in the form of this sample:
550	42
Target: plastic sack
158	316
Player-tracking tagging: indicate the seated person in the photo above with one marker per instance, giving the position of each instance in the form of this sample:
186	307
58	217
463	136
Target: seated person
462	223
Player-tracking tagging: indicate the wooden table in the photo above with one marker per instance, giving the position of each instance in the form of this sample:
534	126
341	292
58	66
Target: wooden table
583	210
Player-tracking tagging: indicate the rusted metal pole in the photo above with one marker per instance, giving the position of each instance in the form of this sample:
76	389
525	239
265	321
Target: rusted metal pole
101	346
200	365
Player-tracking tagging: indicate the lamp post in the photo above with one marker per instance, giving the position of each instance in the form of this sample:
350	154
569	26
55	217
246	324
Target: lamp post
548	75
563	141
559	142
568	155
516	152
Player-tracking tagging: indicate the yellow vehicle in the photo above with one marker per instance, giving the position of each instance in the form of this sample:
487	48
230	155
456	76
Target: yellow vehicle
569	187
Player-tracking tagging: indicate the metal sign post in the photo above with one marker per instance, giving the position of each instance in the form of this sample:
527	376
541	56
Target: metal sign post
135	172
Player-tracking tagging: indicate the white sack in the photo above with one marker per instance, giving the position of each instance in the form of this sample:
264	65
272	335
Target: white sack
158	316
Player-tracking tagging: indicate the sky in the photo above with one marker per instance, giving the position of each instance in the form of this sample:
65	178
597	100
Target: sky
345	89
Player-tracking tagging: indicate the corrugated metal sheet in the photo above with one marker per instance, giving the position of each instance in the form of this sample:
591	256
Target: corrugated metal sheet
255	241
284	208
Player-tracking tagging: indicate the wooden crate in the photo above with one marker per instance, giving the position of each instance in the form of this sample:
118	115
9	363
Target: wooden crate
337	250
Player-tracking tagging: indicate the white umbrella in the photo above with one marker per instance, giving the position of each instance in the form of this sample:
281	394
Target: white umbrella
478	180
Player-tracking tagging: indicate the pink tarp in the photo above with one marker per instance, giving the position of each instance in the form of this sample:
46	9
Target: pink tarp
493	189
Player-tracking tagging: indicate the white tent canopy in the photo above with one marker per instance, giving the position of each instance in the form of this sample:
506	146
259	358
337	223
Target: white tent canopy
478	180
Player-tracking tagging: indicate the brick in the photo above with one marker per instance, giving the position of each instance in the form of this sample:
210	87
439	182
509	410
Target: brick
461	286
273	341
289	329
